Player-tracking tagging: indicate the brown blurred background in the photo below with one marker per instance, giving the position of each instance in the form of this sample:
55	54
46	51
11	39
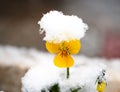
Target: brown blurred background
18	23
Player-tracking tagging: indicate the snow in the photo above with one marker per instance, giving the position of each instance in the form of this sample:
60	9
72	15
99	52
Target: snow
44	75
16	56
59	27
43	69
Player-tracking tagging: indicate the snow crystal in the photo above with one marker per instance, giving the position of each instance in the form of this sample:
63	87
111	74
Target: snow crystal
59	27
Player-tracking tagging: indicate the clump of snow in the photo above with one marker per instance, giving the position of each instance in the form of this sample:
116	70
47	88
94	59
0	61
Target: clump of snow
44	75
59	27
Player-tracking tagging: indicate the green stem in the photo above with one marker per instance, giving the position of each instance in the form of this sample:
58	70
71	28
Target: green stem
68	73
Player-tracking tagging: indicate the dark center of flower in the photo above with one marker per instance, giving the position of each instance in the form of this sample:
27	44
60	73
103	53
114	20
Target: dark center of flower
64	50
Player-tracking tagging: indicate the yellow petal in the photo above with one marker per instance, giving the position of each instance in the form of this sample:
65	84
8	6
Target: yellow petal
74	46
52	47
63	61
101	87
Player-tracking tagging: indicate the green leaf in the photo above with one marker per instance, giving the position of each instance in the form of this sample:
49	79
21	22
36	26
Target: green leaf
54	88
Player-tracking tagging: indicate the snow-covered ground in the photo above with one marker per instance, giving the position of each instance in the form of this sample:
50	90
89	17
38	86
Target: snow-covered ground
21	57
43	69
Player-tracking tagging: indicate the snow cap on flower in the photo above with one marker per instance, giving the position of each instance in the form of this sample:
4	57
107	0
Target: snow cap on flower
59	27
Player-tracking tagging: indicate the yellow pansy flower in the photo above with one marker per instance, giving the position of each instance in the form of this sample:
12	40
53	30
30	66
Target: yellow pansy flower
101	86
64	50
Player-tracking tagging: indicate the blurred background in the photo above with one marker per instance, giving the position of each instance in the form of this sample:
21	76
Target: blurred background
19	18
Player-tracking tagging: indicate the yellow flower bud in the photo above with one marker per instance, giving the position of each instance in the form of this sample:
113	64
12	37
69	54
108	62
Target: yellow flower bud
101	86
